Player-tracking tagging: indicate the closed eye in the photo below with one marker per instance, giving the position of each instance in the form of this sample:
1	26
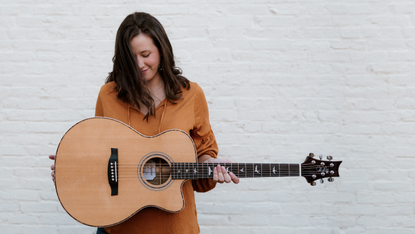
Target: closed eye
146	55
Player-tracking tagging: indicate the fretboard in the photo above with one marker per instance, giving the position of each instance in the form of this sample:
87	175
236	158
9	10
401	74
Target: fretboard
241	170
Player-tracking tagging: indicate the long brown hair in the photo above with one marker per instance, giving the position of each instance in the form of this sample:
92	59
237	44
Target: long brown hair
130	82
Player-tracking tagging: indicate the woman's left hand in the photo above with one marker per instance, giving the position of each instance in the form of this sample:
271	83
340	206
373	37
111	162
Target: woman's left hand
220	174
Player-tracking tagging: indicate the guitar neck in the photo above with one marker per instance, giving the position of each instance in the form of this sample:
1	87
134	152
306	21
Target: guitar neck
241	170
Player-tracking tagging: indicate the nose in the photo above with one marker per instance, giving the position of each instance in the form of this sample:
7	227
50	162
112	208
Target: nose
140	63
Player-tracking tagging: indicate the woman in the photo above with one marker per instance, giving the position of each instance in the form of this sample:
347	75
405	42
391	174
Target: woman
147	91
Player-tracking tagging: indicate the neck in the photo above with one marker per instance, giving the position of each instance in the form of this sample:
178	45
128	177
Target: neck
156	88
242	170
155	83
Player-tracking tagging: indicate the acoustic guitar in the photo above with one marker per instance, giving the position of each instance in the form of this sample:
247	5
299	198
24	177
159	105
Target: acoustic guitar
105	171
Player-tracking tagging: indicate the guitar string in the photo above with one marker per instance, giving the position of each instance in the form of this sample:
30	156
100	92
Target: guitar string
195	163
123	174
210	177
199	166
247	173
252	173
123	165
134	173
235	171
232	168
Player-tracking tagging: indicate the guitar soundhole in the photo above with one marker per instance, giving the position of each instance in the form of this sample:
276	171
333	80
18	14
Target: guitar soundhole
156	171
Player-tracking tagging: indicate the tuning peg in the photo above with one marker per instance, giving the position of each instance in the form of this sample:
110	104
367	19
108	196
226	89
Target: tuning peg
331	179
329	157
320	156
321	181
313	183
311	155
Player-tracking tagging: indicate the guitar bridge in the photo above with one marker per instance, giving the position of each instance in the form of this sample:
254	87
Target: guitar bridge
113	171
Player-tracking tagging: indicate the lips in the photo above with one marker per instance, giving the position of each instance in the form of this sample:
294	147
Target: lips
144	71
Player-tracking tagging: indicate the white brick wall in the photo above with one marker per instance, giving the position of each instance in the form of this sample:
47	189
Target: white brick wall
283	78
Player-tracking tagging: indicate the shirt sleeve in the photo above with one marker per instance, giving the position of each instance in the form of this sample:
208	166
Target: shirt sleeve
202	133
203	138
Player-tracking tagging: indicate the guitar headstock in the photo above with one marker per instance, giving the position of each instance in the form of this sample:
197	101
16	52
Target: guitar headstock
317	169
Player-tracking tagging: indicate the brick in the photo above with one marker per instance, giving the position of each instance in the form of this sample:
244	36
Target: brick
8	207
21	195
402	8
38	207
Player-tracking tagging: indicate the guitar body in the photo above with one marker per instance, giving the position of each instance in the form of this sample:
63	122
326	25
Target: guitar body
81	171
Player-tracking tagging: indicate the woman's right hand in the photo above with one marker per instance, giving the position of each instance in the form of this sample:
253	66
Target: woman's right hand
52	157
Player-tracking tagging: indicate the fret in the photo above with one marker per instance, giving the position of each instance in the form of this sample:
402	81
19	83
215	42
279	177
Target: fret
284	170
266	170
257	170
226	166
178	170
195	171
234	168
173	174
275	170
201	170
249	170
236	171
294	170
241	170
210	170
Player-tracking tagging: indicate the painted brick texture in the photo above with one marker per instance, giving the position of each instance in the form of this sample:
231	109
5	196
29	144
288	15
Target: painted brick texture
283	78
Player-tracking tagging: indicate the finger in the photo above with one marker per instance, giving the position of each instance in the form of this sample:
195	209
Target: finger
226	176
52	167
52	157
215	174
235	179
220	175
53	175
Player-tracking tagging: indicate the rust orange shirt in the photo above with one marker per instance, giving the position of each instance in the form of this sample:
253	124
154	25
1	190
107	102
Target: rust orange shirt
189	114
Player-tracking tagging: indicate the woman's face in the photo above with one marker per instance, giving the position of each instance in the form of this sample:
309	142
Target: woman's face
148	57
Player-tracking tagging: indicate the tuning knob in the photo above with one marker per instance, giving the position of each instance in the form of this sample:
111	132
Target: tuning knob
321	181
329	157
313	183
311	155
320	156
331	179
